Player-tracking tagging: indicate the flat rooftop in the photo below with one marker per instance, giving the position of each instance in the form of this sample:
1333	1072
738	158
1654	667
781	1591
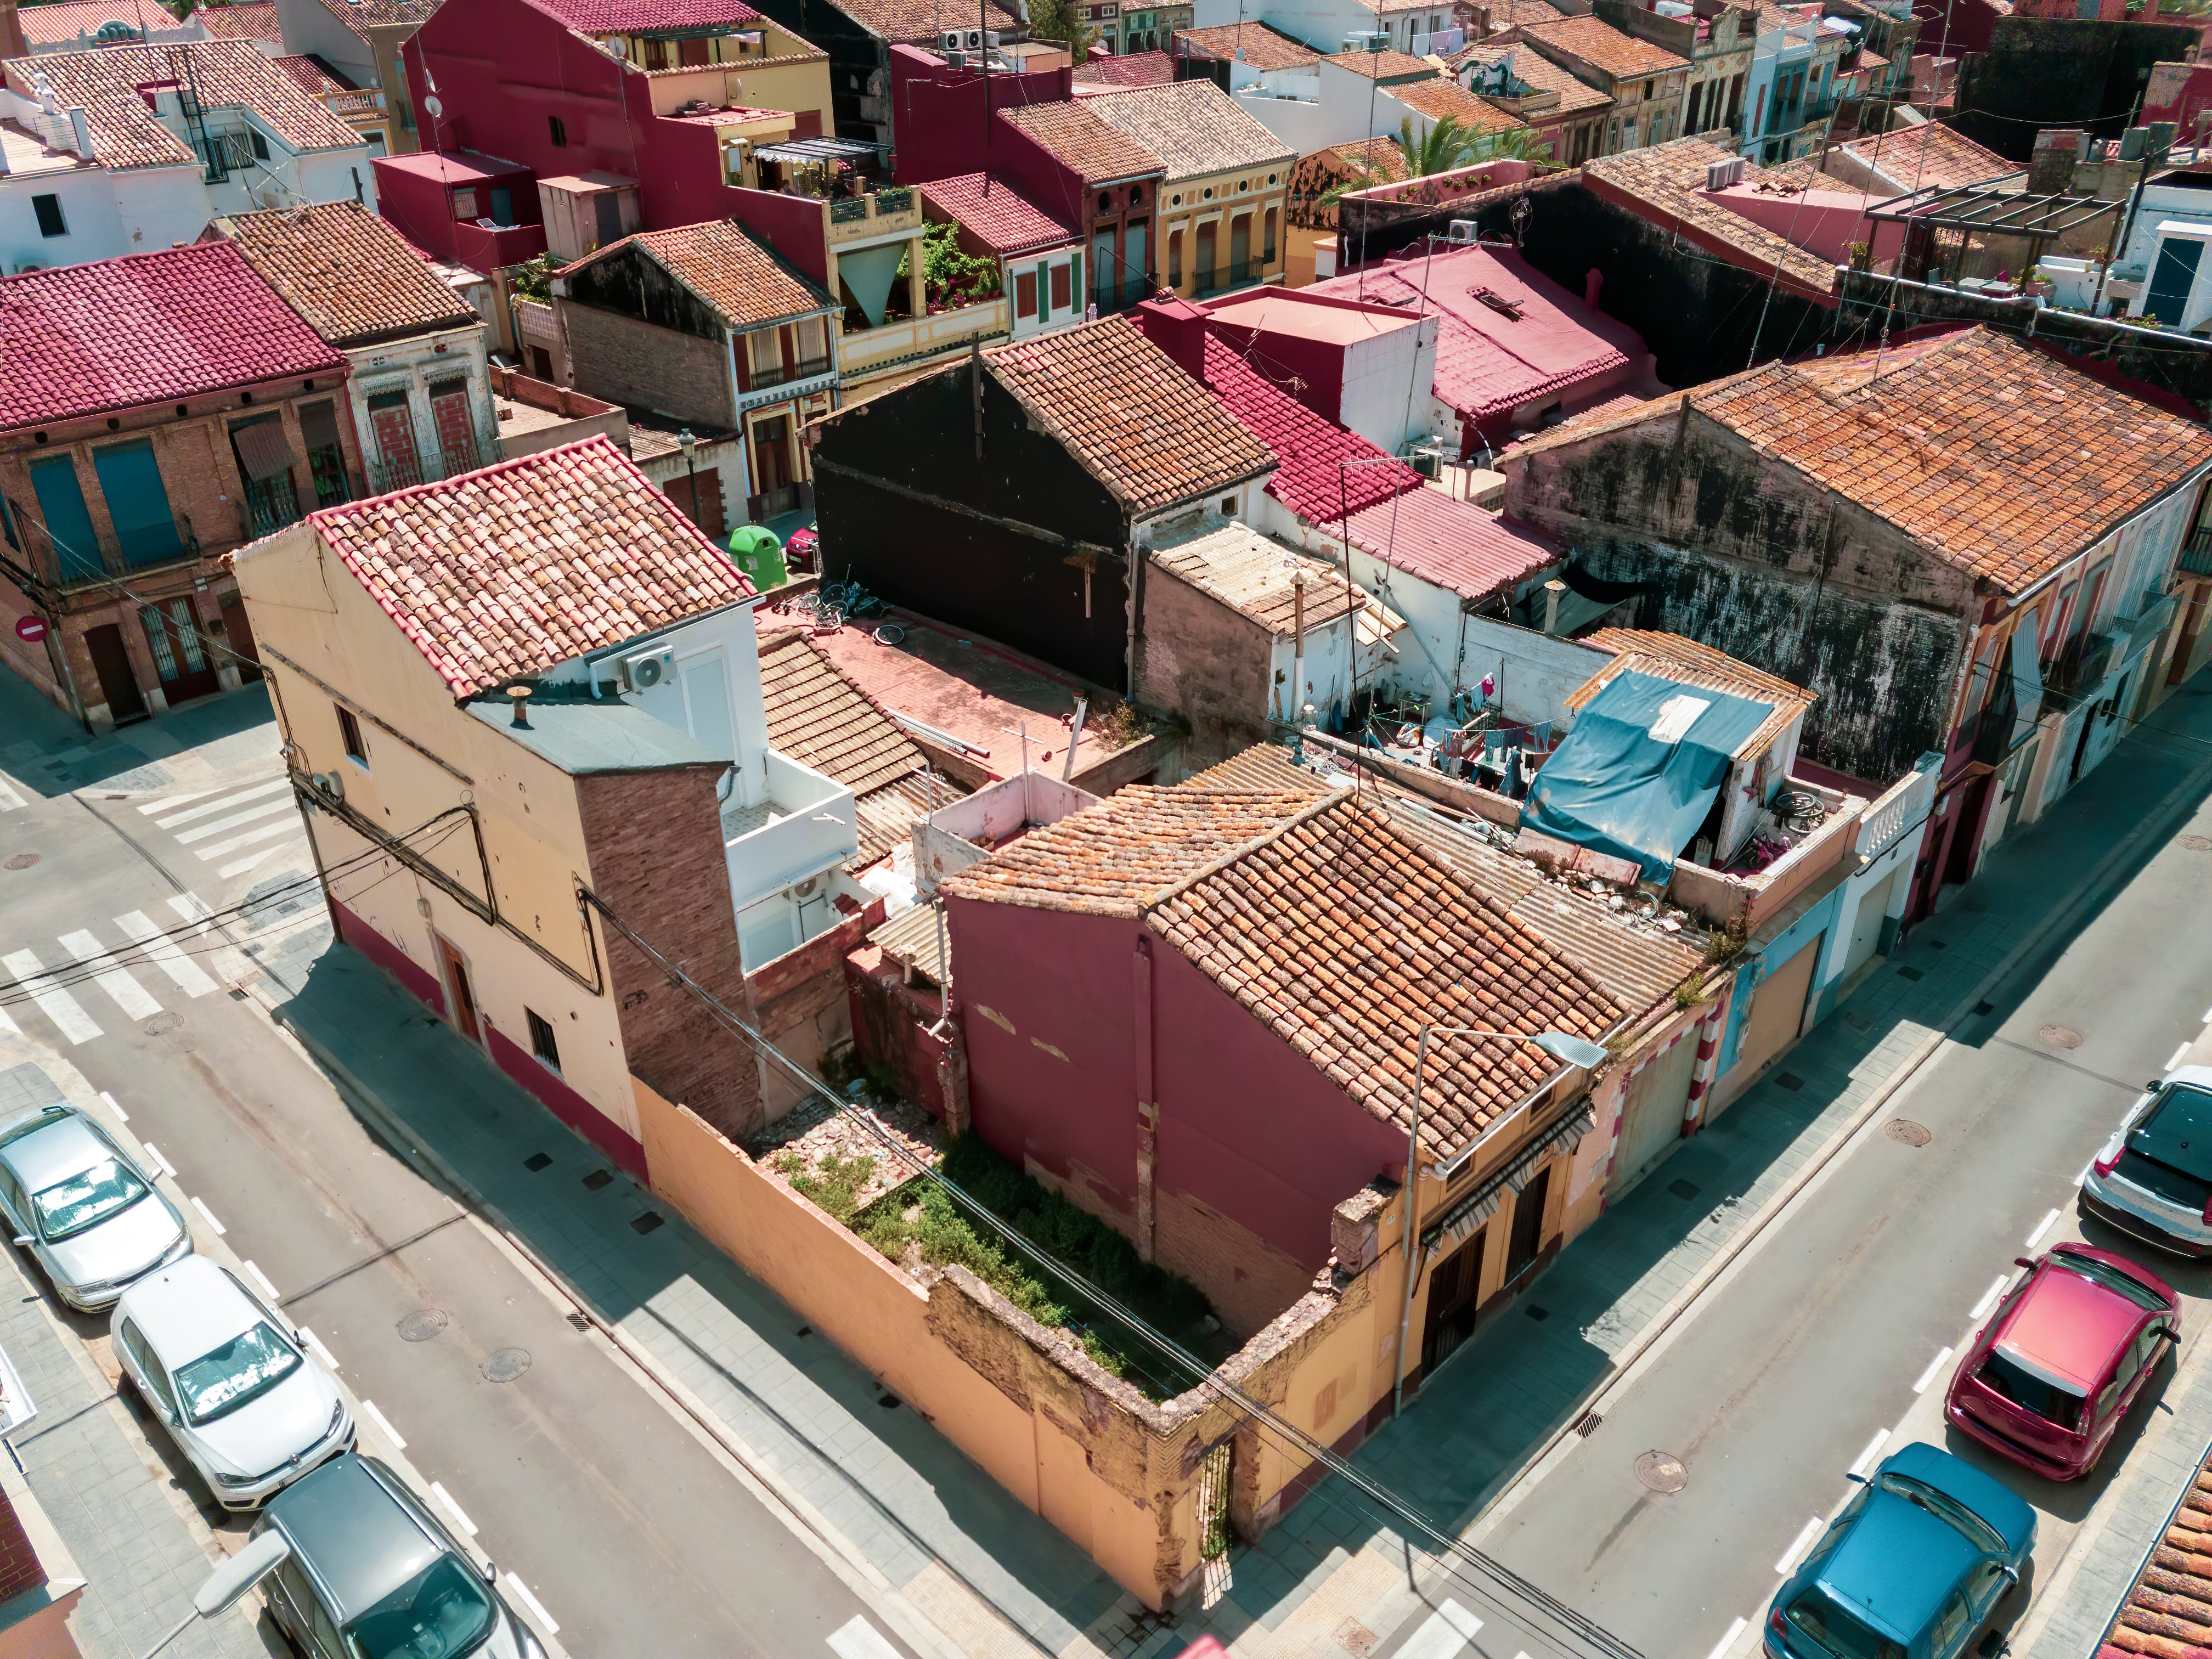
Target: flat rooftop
1308	319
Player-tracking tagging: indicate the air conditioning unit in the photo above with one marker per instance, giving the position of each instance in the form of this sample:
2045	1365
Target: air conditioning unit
955	58
1368	40
950	40
1461	231
804	889
971	39
1719	175
648	669
991	39
332	784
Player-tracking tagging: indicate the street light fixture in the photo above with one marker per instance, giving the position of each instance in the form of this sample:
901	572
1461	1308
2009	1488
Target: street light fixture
1560	1045
687	440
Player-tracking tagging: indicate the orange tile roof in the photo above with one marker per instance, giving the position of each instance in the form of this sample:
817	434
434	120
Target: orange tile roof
1685	662
1193	126
1255	44
362	15
1669	181
1135	69
1124	409
1603	47
1439	98
996	213
1075	134
500	575
1383	66
348	272
743	280
2166	1612
1932	154
917	23
249	19
1576	97
818	717
1999	460
74	23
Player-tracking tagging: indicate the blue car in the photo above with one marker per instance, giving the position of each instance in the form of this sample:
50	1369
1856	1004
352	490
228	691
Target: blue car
1910	1570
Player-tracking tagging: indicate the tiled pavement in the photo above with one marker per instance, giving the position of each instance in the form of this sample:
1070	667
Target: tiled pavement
1331	1579
133	1536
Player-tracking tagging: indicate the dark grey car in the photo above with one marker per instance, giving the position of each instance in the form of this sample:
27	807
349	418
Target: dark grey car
372	1574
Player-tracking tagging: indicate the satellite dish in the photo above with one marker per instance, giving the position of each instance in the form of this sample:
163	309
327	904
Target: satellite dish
434	104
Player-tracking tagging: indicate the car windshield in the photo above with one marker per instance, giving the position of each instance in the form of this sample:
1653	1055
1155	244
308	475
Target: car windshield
2104	1274
2036	1395
242	1369
1947	1509
441	1613
1836	1629
86	1199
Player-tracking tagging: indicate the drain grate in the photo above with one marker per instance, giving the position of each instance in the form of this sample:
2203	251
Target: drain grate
1911	973
506	1364
538	1161
1660	1472
581	1321
1587	1425
599	1178
1905	1132
1683	1189
162	1023
1857	1022
1790	1081
422	1324
1537	1313
2061	1036
649	1223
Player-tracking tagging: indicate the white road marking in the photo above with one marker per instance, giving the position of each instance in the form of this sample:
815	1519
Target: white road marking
520	1592
190	908
453	1508
2084	1175
10	797
266	832
159	1163
172	961
130	995
216	826
121	1116
330	1360
243	865
207	1216
2041	1228
856	1638
1442	1634
1934	1366
383	1422
169	803
243	795
1873	1450
59	1005
1989	1298
1728	1641
262	1279
1798	1546
2176	1061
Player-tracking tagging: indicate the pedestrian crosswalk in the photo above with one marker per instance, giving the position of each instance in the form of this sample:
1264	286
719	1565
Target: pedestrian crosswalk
101	975
215	823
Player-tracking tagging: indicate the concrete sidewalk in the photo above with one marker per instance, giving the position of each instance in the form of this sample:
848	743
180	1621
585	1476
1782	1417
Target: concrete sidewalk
1333	1579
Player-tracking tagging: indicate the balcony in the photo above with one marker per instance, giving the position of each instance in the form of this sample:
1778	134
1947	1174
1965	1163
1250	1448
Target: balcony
902	340
805	824
490	248
2080	668
874	217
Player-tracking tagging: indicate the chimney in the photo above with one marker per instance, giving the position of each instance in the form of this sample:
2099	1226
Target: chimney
521	695
2050	165
1178	328
1593	285
1552	590
12	44
82	130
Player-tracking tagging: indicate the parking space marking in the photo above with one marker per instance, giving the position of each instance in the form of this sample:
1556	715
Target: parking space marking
154	1153
856	1638
1443	1634
520	1592
2176	1061
121	1116
1873	1450
329	1360
262	1279
1798	1546
453	1508
1728	1641
1934	1366
2041	1228
207	1216
1989	1298
385	1423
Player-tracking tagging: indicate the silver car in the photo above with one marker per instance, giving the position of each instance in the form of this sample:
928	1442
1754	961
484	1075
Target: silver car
2153	1179
370	1574
77	1203
230	1380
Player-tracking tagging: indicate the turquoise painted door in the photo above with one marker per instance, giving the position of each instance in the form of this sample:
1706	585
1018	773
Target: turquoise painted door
138	505
2176	274
67	525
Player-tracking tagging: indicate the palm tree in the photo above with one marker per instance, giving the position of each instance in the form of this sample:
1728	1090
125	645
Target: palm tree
1445	146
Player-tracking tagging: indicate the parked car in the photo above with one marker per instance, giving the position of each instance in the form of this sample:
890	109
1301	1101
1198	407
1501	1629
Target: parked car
370	1574
2153	1178
2050	1375
1913	1566
228	1379
90	1216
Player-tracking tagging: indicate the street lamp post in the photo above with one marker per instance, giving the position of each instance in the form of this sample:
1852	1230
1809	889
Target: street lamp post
687	440
1576	1051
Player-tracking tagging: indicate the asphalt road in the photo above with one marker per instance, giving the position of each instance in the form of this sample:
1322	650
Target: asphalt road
580	1477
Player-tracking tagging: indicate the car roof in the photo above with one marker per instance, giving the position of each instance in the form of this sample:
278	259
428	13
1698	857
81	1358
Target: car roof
189	1308
2070	1327
1995	1503
66	1147
1897	1564
353	1533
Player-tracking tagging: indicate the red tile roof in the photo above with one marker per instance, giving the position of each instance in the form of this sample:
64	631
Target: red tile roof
362	15
739	276
1193	127
644	16
149	328
1665	184
353	276
1136	68
249	19
1932	154
990	208
1612	52
500	575
1489	363
917	23
1453	543
1311	446
1441	99
1072	133
1255	44
2166	1613
1384	66
63	22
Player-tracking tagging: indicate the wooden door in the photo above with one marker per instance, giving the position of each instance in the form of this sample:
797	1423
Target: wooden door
238	633
1455	1292
1527	1241
181	658
461	995
119	684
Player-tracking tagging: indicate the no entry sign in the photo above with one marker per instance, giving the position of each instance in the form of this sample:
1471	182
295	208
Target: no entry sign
30	629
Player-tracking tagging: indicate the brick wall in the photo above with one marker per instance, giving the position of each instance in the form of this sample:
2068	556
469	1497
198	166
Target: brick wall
1200	658
654	843
19	1562
632	362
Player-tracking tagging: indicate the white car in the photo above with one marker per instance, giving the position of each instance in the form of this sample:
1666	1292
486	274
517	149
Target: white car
230	1380
2153	1179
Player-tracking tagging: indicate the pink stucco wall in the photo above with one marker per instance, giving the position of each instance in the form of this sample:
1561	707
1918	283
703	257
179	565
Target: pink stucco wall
1824	223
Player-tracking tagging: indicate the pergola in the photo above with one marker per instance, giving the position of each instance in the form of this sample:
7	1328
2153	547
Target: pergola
1997	207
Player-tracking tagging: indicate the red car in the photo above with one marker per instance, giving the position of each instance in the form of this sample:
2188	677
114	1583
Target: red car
2053	1372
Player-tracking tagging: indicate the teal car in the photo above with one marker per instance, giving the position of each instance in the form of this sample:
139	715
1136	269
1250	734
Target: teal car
1912	1569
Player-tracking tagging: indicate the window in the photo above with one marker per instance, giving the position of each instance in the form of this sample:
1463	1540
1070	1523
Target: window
451	421
1831	1627
137	504
813	345
542	1043
357	746
1025	294
1951	1623
466	210
1228	504
1062	287
559	131
49	210
260	144
1175	258
63	516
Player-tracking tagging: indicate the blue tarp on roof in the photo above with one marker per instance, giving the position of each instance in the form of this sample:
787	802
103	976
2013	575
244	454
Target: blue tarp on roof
1638	773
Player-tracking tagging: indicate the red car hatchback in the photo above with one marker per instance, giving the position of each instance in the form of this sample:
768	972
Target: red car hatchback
2050	1375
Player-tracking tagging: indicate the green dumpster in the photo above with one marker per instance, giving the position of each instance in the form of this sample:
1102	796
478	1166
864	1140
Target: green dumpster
756	551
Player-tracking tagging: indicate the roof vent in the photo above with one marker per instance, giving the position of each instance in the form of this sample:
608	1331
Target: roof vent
1719	175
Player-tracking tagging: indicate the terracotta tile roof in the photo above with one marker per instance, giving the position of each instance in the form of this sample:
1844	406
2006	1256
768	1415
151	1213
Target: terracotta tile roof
992	210
315	77
1685	662
1135	69
499	574
598	17
1384	160
2166	1613
823	719
1455	544
1665	184
1384	66
63	22
917	23
1998	458
1074	133
362	15
1576	97
249	19
1612	52
347	271
144	328
125	132
1250	43
1519	14
744	282
1193	126
1147	431
1932	154
1440	97
886	815
1257	577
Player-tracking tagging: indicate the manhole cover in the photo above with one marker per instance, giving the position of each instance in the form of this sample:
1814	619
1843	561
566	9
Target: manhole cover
22	860
505	1366
162	1023
2194	843
422	1324
1661	1472
1906	1130
2061	1036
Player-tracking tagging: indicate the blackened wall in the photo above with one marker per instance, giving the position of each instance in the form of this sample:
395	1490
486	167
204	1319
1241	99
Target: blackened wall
997	544
2058	72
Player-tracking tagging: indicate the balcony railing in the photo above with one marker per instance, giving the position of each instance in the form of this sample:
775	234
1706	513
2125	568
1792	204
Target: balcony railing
805	823
879	213
2081	667
270	504
483	249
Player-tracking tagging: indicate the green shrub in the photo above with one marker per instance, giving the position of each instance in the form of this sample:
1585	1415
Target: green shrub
835	1188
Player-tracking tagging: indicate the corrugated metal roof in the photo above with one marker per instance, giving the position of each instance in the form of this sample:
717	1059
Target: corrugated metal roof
1453	543
912	939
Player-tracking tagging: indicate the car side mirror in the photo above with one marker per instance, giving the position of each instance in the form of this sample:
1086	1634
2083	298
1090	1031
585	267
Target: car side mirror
490	1569
2170	1334
2023	1261
1858	1479
2151	1087
23	1238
